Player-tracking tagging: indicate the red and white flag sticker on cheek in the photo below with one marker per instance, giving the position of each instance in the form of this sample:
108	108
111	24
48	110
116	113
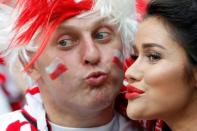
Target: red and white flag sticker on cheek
118	59
56	68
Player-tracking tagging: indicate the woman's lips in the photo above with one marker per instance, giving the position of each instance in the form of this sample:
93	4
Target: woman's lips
96	78
133	92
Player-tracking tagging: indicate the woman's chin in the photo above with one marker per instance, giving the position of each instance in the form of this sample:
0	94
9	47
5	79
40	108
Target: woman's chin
135	111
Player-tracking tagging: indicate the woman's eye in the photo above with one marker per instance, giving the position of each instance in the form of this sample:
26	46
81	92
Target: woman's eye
154	57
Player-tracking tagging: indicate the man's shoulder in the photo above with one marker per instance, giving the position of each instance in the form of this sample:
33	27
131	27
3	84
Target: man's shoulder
10	115
126	124
10	118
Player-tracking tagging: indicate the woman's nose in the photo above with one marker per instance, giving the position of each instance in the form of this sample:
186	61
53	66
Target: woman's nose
133	74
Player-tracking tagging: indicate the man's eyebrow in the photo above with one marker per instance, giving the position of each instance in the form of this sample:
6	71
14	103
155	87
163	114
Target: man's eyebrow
68	27
150	45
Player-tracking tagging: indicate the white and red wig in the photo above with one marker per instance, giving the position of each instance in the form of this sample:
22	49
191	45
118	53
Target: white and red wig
44	16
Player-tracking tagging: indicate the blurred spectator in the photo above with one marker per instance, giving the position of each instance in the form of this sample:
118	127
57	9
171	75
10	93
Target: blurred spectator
10	96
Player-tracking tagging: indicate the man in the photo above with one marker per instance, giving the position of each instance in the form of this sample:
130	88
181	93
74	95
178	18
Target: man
73	51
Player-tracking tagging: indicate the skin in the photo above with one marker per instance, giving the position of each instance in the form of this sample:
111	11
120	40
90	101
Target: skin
85	45
159	71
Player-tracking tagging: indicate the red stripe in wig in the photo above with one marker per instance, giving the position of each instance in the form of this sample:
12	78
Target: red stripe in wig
141	6
47	14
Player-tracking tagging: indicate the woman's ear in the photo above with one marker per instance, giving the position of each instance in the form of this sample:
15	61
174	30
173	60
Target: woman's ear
24	57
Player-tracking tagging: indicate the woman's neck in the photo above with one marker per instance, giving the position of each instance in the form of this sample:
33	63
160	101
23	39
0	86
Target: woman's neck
185	119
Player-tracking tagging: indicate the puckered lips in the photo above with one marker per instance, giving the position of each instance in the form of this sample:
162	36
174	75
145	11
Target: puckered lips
133	92
96	78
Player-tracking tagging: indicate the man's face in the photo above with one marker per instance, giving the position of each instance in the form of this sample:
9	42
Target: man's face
86	47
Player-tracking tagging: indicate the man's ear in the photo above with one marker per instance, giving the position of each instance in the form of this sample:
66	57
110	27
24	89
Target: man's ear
24	57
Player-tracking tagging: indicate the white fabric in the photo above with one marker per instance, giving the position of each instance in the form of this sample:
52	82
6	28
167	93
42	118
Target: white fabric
7	119
117	124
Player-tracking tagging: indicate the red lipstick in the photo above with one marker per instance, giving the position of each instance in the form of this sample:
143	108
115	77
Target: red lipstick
133	92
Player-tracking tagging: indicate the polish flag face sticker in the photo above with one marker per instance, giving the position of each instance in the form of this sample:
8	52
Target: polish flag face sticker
56	68
118	59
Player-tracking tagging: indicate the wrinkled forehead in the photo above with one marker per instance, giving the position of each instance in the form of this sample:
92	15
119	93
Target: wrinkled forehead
89	14
98	14
87	18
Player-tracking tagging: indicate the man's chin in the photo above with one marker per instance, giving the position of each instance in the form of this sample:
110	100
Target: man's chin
96	100
97	107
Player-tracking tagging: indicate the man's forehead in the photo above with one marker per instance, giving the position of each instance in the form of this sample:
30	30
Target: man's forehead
94	19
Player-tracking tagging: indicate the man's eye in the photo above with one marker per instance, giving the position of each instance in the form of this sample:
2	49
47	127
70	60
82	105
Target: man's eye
101	35
65	42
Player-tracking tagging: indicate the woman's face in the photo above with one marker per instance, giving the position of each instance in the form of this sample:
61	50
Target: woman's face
159	72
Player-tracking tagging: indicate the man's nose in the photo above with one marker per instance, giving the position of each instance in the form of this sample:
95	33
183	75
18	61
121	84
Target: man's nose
133	73
90	52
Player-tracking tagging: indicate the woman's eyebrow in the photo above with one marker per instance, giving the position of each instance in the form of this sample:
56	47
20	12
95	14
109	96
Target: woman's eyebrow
149	45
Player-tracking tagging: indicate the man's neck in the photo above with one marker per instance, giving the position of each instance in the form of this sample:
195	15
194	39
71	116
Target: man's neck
79	119
107	127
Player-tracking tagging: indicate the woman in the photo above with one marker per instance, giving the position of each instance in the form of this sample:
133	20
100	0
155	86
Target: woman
162	82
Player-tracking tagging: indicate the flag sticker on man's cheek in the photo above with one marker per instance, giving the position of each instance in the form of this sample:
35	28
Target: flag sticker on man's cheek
56	68
118	59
